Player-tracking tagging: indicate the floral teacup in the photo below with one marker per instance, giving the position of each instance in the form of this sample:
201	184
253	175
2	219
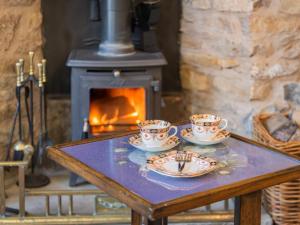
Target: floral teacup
155	133
207	126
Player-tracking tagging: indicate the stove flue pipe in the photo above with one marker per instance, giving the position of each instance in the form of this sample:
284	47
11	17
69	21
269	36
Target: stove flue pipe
116	28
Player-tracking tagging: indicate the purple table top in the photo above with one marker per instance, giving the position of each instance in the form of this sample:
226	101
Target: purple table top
116	159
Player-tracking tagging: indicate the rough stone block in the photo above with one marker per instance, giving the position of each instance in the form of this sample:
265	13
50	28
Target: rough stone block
292	93
201	4
194	80
231	87
8	25
260	89
196	58
197	4
290	7
59	112
296	117
228	63
235	5
18	2
278	68
268	24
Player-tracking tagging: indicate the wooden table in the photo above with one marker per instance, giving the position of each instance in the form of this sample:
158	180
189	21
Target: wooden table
113	166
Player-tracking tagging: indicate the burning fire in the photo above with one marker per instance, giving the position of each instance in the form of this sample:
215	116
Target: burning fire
111	109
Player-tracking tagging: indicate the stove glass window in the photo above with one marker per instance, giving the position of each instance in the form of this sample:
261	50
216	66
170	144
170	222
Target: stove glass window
116	109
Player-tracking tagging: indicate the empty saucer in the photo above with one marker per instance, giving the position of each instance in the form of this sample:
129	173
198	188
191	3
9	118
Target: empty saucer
136	141
187	134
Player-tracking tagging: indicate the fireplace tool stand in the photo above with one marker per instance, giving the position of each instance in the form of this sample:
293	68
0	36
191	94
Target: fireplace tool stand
28	84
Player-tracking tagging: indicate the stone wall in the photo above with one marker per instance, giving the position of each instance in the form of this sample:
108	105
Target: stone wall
238	55
20	32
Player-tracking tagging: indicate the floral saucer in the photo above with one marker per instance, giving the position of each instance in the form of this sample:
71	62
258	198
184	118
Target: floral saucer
136	141
187	134
166	164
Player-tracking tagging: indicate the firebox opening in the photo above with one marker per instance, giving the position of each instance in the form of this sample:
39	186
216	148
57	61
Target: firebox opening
116	109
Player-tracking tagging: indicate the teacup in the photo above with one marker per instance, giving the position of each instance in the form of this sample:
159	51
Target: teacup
155	133
207	126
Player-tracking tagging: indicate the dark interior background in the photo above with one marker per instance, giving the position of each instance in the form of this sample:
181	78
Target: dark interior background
67	26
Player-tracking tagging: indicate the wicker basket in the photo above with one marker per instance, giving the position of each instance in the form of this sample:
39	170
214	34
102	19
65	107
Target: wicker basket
281	201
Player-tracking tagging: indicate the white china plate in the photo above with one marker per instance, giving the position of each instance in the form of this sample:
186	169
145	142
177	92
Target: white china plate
188	135
165	164
136	141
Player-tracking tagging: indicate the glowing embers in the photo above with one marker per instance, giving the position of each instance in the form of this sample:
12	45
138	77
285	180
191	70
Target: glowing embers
116	109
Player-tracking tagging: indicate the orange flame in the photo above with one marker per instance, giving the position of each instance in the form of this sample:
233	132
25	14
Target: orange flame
112	107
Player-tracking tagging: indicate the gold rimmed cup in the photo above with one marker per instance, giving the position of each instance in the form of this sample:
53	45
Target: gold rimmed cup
207	126
155	133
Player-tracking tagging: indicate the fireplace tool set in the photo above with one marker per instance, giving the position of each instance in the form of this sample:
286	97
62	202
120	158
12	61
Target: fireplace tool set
25	88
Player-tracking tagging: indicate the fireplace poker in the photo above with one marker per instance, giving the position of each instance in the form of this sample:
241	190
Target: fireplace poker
18	90
31	81
47	141
27	94
40	144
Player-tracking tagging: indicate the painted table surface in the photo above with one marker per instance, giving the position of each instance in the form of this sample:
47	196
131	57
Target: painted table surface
122	163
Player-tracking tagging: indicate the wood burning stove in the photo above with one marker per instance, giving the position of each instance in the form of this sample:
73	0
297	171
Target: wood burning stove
115	86
114	92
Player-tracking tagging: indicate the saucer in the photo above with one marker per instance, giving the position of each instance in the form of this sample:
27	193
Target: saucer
136	141
166	164
187	134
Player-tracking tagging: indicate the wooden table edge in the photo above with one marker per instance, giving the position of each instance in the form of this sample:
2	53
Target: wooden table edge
224	192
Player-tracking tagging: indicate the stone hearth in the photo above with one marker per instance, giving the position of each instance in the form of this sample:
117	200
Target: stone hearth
237	56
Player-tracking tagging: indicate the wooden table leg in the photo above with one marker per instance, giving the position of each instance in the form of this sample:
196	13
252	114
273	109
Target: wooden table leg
162	221
165	221
136	218
247	209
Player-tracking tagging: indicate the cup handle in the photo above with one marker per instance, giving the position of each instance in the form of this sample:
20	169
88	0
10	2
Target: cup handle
175	129
224	126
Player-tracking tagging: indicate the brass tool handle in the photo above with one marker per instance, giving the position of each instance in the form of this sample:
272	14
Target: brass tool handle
18	70
40	69
44	62
31	56
21	61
